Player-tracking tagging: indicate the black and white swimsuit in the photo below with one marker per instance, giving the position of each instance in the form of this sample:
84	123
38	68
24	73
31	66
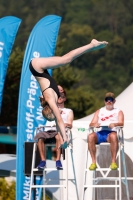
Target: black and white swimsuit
46	75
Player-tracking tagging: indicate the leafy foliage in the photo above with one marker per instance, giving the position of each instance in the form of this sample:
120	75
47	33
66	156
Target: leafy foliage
88	77
7	190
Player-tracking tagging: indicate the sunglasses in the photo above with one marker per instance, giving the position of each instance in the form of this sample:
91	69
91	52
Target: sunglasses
109	99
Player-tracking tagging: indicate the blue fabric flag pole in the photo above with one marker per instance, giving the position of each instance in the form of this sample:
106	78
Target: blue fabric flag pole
8	29
41	43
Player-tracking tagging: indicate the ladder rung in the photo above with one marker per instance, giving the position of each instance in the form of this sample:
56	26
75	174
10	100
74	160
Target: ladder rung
106	178
103	144
48	186
101	169
45	169
102	186
109	178
49	179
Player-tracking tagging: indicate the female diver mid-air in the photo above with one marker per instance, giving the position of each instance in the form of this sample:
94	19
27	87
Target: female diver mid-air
50	92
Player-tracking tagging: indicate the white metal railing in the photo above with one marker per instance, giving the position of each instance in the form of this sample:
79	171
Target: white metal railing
46	181
105	171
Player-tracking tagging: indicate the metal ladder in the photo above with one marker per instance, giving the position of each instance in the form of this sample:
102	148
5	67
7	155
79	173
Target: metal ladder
46	181
105	171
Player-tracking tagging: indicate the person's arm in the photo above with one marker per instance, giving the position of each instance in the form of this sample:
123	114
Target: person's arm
70	119
120	120
94	122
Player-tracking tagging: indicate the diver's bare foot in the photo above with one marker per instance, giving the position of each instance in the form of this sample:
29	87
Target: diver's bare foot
98	45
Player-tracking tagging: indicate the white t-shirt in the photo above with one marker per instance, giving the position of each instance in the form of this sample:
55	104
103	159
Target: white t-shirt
64	114
106	117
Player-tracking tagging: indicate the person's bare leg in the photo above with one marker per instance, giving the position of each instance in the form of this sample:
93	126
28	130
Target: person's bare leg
94	45
92	140
54	62
113	140
58	143
41	148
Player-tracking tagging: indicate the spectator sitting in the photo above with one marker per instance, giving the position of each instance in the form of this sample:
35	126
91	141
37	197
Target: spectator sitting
67	116
111	117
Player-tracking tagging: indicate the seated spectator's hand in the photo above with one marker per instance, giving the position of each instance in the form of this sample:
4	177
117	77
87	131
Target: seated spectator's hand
112	125
96	125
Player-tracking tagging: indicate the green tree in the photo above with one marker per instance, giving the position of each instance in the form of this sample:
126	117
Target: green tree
103	70
7	190
82	101
66	76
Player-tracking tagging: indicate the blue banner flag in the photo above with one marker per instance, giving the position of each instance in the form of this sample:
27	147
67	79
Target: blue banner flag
8	28
41	43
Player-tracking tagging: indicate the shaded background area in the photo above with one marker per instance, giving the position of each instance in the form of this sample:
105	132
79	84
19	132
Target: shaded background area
8	139
88	77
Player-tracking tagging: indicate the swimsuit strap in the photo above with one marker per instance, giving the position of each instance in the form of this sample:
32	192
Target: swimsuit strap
44	90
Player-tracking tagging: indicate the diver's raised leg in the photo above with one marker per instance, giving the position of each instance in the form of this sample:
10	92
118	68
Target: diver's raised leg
54	62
